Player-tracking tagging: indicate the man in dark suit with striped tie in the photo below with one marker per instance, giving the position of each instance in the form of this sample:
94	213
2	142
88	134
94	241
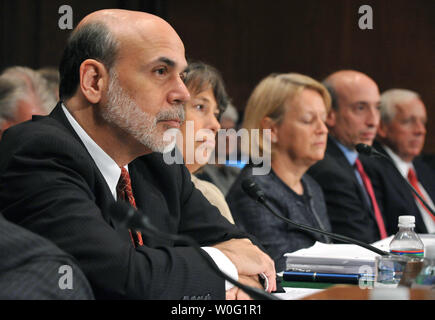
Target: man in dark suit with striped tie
401	137
352	205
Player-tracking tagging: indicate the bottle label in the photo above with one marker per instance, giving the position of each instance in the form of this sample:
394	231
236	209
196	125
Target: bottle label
410	253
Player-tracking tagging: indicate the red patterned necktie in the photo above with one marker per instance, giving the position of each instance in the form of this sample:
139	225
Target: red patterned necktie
369	188
412	178
124	192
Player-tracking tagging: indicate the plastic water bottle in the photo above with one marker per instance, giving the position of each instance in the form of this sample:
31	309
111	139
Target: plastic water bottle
427	275
406	242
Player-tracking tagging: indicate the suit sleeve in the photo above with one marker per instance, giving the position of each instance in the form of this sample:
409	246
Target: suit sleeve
33	268
47	188
44	279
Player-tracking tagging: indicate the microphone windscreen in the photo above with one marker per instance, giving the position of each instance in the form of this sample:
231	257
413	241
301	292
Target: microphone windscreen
252	189
364	149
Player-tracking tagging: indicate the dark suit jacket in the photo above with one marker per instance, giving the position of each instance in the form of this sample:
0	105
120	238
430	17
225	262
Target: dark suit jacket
50	184
30	268
348	210
396	197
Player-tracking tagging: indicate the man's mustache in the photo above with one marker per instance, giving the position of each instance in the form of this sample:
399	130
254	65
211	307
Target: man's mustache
177	113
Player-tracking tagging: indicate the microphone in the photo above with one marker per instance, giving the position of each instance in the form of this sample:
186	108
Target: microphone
255	192
126	216
370	151
129	217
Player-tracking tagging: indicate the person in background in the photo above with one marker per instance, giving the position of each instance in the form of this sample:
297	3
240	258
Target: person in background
23	93
294	108
208	100
401	137
343	174
51	75
219	173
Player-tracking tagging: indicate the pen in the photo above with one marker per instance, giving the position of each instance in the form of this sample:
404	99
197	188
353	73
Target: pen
325	277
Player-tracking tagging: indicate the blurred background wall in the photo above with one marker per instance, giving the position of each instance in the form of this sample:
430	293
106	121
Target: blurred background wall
249	39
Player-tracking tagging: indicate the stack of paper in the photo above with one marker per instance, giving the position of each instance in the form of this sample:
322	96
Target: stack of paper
341	258
333	258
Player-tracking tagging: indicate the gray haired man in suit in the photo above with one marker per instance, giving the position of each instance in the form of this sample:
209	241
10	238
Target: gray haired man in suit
401	137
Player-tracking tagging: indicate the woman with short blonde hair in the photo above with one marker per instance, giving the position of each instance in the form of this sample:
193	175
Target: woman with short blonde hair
293	109
268	100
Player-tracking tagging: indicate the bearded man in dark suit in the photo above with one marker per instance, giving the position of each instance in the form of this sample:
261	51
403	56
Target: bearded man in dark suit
121	89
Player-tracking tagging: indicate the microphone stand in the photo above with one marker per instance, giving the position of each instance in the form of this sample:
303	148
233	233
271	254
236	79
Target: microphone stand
251	188
331	235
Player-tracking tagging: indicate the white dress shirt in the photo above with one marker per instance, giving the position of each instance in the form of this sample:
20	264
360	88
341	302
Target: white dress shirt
111	173
403	168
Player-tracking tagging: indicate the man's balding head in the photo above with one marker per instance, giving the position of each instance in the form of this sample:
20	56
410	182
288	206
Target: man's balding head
354	116
344	84
122	79
100	36
125	24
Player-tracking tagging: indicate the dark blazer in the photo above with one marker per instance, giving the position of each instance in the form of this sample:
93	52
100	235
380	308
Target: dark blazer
396	197
275	235
50	184
30	268
348	210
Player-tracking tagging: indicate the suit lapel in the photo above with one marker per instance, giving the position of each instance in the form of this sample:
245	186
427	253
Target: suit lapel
150	200
397	180
425	177
339	156
104	190
400	185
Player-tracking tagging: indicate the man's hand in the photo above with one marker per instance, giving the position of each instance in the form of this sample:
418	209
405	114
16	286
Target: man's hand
238	294
249	260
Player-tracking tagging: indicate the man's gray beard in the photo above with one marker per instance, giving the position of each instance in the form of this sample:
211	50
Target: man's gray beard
123	112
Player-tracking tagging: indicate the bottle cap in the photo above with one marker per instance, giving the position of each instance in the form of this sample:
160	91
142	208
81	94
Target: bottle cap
429	251
407	221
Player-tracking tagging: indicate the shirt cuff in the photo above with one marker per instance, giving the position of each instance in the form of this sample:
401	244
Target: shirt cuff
224	264
264	280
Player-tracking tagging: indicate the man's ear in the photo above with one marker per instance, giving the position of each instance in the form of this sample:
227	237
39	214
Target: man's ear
331	118
94	80
382	130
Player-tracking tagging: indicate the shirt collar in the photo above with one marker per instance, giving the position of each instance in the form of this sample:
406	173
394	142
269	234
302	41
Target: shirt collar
351	155
401	165
107	166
